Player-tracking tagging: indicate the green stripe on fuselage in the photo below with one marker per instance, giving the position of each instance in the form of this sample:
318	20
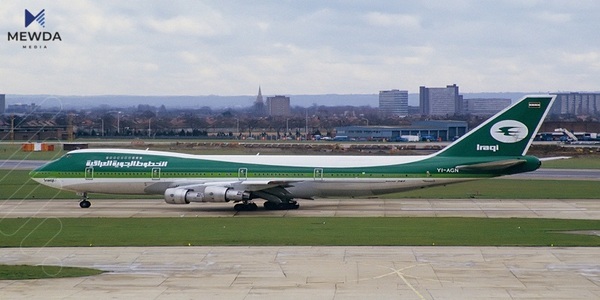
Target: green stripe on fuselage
139	164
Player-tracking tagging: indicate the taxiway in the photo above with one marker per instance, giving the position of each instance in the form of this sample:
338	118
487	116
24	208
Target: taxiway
480	208
312	273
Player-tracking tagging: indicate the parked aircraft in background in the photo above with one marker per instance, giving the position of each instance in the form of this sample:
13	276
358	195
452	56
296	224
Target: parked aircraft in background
496	147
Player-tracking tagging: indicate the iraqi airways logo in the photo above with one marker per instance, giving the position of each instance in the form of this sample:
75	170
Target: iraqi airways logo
509	131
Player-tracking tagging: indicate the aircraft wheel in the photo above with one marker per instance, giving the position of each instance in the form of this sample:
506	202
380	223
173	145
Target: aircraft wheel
289	205
245	207
270	205
85	204
281	206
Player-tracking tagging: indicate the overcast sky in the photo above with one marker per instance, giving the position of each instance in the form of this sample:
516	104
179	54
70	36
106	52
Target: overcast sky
302	47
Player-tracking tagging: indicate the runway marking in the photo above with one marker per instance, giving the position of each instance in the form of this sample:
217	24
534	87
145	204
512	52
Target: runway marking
402	276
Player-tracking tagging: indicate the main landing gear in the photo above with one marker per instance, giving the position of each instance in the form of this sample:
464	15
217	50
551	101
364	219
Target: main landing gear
249	206
291	204
84	203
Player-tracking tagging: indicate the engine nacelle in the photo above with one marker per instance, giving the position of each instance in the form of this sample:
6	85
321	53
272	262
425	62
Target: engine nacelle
204	194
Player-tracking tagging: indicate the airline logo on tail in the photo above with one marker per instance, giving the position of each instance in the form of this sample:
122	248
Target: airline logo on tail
509	131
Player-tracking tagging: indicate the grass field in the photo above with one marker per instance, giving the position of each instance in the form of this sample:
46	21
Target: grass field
18	185
300	231
309	231
18	272
508	189
13	152
583	162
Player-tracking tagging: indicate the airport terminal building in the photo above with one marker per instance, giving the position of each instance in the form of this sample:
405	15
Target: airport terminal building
425	130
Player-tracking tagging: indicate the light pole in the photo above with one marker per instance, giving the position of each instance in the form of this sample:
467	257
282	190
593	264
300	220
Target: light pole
12	129
149	127
119	123
102	126
287	126
306	124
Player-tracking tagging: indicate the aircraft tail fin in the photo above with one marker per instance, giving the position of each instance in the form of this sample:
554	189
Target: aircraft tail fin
508	133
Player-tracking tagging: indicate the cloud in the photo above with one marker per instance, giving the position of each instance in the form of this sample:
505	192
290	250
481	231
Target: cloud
392	20
552	17
229	48
201	26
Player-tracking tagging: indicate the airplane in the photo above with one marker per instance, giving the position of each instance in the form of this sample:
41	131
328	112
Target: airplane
495	148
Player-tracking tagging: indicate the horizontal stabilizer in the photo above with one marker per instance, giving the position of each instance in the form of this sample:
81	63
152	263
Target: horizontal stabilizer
493	165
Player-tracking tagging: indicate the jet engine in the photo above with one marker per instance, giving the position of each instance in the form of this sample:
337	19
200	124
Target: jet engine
204	194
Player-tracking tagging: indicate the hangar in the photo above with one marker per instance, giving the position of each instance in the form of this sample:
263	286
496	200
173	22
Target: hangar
425	130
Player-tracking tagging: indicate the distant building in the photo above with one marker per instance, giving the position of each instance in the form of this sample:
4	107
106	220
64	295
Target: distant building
34	133
440	101
576	104
484	106
2	103
20	108
278	106
393	103
425	130
259	105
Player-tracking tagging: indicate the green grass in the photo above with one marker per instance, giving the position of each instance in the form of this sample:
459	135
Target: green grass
17	185
19	272
13	152
508	189
309	231
584	162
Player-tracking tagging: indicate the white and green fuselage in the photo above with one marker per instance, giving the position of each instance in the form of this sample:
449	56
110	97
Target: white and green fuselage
151	172
495	148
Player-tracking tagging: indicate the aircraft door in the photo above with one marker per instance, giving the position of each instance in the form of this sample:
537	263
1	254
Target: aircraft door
243	173
155	173
318	174
89	173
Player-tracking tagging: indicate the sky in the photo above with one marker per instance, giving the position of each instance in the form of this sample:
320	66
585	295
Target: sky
301	47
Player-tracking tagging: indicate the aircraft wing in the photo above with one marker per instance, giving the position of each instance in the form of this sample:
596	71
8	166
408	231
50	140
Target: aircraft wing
262	185
247	185
491	166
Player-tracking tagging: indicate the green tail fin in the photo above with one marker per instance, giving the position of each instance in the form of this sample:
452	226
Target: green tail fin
508	133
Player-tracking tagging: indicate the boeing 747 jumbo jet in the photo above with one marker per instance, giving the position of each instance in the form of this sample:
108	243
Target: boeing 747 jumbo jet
495	148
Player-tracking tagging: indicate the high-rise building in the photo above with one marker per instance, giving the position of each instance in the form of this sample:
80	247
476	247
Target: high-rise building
576	104
440	101
484	106
393	103
278	106
2	103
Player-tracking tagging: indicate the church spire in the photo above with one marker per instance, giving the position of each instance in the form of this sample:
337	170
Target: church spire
259	98
259	105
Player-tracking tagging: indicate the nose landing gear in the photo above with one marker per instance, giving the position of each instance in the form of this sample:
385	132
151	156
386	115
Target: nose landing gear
84	203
